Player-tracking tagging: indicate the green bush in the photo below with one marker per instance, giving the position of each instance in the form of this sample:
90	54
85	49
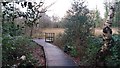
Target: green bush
14	47
95	44
14	43
114	59
74	52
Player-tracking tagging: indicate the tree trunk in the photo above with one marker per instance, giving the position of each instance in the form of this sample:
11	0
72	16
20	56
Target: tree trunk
31	31
107	41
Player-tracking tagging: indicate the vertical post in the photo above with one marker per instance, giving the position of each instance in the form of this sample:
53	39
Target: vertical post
49	37
45	37
53	37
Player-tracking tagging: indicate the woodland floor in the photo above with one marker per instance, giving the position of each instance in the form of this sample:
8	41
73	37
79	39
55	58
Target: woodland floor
38	54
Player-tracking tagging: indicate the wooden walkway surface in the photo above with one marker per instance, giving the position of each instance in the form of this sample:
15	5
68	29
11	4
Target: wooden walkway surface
54	55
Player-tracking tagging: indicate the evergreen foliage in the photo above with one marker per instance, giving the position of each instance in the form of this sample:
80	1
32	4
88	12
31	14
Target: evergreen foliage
78	26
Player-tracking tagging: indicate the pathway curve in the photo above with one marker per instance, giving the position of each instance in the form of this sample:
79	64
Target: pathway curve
54	55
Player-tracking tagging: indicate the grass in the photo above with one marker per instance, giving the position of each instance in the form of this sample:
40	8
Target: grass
98	31
40	33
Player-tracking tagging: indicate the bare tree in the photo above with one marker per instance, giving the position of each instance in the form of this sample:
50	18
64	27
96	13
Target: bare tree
33	13
108	41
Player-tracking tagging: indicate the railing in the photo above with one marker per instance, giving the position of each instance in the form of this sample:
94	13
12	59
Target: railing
49	37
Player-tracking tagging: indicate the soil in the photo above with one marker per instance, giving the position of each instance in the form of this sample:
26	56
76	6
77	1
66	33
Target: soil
38	54
77	60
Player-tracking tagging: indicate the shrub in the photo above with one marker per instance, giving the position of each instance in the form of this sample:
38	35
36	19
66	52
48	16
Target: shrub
114	59
15	47
95	44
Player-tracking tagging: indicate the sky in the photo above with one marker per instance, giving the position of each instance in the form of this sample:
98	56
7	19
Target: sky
60	7
99	4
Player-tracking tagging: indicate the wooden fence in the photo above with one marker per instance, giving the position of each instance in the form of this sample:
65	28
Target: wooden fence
49	37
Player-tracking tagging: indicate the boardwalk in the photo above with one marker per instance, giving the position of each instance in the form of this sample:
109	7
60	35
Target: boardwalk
55	56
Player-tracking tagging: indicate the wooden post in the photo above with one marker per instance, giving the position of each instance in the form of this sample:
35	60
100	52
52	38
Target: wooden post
49	37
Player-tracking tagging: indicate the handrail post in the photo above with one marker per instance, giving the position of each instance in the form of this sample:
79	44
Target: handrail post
49	37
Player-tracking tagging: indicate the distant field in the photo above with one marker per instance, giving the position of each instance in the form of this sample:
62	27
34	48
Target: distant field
40	33
53	30
98	31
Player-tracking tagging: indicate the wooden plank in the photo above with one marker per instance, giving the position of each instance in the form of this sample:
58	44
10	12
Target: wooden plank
55	56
